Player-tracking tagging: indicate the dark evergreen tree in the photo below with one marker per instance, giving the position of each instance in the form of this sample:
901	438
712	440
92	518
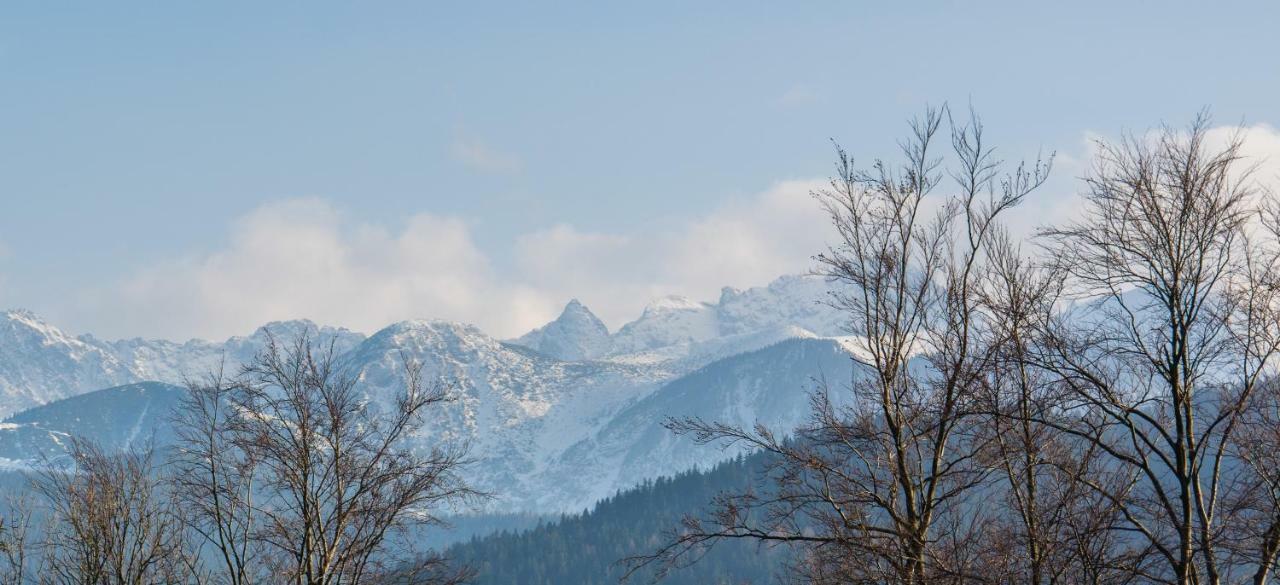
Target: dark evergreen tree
586	548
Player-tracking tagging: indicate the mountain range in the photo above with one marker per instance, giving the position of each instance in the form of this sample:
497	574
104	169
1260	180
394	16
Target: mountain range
557	419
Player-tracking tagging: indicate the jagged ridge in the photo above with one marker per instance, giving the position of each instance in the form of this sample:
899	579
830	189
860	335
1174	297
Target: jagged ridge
557	419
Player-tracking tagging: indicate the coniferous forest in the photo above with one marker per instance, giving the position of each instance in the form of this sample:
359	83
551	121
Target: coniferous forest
589	548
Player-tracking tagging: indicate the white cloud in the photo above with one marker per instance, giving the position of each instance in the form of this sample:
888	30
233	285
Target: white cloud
1260	148
303	258
750	242
484	158
1059	200
746	243
300	259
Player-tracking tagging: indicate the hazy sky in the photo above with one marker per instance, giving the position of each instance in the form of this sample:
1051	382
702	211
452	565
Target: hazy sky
187	169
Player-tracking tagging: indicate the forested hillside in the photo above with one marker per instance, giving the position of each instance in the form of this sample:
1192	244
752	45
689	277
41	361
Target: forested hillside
586	548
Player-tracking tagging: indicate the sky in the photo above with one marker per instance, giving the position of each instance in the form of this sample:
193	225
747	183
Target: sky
188	170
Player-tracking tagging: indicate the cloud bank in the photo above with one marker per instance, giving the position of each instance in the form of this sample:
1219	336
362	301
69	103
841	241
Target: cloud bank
302	258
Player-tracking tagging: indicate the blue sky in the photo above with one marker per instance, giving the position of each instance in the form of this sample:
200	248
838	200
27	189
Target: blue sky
153	156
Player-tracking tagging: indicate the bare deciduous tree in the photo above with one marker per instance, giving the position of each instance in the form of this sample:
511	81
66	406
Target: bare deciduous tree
213	479
15	540
111	523
337	479
880	487
1053	529
1254	495
1177	333
1117	397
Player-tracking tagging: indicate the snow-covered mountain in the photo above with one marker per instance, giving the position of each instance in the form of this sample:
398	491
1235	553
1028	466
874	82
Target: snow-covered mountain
114	418
152	359
577	334
771	386
39	363
678	327
668	322
556	418
517	408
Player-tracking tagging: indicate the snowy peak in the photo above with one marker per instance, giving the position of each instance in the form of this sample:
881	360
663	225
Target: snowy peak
556	418
21	325
801	301
443	348
24	318
672	304
293	328
576	335
440	335
575	310
40	363
675	325
244	348
679	328
669	321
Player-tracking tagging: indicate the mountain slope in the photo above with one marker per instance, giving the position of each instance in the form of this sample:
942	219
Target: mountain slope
577	334
768	386
585	549
556	419
40	363
677	328
669	321
547	436
115	418
516	408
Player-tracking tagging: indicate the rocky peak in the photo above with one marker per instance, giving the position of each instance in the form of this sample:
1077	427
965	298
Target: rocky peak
40	363
668	321
577	334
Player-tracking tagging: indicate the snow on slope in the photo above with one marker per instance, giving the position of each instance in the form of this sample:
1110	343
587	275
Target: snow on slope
675	327
800	301
555	419
39	363
666	322
516	408
547	436
577	334
769	386
115	418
